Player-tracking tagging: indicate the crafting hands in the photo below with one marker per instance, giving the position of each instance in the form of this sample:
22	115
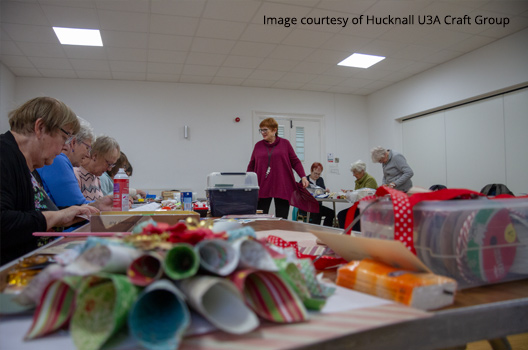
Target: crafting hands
305	182
392	185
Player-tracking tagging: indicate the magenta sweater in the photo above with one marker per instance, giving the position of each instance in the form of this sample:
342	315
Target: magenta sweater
280	182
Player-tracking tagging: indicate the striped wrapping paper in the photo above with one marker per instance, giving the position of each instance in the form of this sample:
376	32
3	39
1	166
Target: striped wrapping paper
319	328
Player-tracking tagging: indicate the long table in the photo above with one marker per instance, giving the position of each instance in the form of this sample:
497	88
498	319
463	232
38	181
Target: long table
487	312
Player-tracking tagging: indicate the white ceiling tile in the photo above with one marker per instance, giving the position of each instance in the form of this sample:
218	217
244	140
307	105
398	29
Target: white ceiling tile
290	85
506	7
58	73
355	82
246	48
119	75
347	6
205	59
85	52
472	43
131	40
442	39
242	61
16	61
176	25
163	77
127	21
190	69
381	48
192	8
165	56
128	66
290	52
96	65
195	79
227	81
298	77
231	10
257	83
265	34
42	50
414	52
269	9
312	67
441	56
72	17
219	46
278	65
169	42
261	74
8	47
343	90
393	64
315	87
339	71
308	38
50	63
327	80
93	74
238	73
347	43
131	5
327	56
119	53
210	28
30	33
25	72
23	13
164	68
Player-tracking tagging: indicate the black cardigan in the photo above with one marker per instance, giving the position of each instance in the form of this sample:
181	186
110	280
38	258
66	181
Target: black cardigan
18	217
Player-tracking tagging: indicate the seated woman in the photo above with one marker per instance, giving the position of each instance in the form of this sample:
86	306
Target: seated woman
107	179
58	179
363	180
104	156
315	179
40	129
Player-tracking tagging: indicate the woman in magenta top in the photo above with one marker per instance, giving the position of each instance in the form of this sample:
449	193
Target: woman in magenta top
273	159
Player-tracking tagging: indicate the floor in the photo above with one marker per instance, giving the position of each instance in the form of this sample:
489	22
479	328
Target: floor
517	342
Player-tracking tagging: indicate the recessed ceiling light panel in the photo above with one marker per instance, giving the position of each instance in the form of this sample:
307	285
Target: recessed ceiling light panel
360	60
76	36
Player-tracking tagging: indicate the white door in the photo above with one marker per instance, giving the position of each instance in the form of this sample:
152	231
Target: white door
303	131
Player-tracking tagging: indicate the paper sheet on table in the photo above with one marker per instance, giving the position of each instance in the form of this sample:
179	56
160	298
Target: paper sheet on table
147	207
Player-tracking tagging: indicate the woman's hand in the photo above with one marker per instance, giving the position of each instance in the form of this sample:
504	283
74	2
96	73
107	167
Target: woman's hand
68	216
105	203
305	182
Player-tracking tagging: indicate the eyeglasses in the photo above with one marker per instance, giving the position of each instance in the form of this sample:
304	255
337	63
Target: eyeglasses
316	174
69	136
110	165
88	147
263	131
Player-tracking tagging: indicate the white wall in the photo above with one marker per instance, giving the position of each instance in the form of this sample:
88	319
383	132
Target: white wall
7	96
495	67
148	119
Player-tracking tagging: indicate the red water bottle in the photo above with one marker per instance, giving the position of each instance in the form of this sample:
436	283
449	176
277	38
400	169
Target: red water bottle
121	196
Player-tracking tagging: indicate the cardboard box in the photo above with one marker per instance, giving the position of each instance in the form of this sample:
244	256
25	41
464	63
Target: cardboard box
232	193
168	194
124	221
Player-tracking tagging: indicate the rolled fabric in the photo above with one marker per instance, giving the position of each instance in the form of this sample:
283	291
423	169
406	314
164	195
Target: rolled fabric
217	256
254	255
56	307
101	309
270	296
103	258
159	317
219	301
181	261
145	269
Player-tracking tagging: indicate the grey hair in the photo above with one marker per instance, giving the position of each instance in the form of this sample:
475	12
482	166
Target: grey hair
85	132
377	153
104	145
358	166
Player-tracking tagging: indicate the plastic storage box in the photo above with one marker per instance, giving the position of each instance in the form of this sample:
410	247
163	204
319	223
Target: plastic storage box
232	193
477	241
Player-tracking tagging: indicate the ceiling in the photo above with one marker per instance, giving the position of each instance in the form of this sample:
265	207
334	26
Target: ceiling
225	42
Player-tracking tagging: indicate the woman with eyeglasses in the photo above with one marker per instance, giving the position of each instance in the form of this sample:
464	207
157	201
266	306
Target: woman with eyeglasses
39	130
273	160
107	179
104	155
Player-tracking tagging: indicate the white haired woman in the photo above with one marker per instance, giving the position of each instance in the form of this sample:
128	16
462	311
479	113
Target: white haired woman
396	172
363	180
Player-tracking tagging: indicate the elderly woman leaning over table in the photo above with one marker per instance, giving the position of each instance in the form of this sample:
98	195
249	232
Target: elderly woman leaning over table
104	155
40	129
363	180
